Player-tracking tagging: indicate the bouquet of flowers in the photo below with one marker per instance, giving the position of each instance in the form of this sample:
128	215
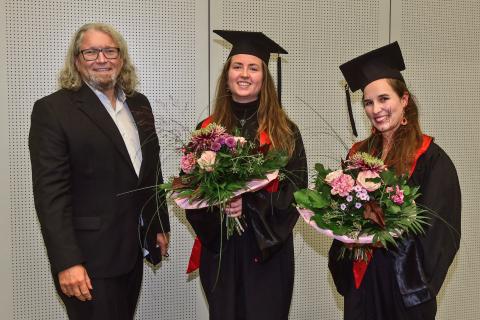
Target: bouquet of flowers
362	203
217	166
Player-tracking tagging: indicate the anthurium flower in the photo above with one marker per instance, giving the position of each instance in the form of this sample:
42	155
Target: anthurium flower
362	180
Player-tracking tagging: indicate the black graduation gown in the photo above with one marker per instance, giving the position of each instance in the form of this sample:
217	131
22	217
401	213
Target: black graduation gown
255	279
402	283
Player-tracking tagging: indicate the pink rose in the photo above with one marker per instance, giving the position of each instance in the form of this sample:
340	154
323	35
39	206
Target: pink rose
187	163
368	185
332	176
207	160
342	185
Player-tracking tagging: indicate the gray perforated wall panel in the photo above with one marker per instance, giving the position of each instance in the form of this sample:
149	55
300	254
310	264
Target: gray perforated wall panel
169	43
441	42
166	40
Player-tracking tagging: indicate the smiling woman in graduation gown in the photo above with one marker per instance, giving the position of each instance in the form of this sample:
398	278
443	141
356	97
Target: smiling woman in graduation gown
250	276
402	282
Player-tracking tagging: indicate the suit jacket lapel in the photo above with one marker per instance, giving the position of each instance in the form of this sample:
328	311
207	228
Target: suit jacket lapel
89	103
144	121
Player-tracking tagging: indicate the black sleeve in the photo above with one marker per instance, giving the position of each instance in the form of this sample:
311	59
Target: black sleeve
159	211
422	262
208	226
340	268
51	174
272	215
441	196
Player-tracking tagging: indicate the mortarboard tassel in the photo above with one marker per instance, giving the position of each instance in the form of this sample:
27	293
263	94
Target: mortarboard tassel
279	80
350	111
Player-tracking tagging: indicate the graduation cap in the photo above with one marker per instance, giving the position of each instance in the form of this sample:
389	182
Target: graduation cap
384	62
256	44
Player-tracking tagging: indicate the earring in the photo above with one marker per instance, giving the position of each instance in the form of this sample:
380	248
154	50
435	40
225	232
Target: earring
404	121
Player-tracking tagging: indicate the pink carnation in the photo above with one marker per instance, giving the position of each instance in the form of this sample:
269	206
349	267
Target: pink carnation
368	185
187	163
341	185
398	196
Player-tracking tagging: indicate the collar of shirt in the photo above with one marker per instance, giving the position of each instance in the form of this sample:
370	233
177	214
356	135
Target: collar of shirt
119	94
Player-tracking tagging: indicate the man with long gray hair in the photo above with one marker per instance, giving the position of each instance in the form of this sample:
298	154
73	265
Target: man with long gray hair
95	162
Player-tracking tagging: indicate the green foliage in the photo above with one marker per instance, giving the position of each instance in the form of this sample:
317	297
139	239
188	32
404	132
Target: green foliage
231	172
347	217
311	199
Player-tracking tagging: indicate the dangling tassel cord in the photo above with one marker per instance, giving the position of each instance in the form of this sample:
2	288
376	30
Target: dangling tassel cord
350	111
279	80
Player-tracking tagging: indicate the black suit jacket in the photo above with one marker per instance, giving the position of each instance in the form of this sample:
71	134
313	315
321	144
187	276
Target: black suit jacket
87	195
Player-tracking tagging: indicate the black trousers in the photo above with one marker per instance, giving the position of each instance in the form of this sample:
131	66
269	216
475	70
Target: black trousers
112	298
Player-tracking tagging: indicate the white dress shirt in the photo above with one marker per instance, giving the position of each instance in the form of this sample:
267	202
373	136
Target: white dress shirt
123	119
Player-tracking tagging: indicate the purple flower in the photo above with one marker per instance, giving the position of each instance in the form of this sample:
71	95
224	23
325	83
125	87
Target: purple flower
230	142
343	206
364	197
357	188
215	146
358	205
202	139
220	140
349	198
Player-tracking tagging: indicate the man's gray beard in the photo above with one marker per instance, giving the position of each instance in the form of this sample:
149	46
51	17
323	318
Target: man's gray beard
101	86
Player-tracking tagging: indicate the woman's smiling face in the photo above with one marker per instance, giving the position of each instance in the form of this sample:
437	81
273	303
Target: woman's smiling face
383	106
245	77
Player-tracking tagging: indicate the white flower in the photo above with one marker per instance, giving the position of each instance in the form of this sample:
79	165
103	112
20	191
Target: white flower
207	160
240	140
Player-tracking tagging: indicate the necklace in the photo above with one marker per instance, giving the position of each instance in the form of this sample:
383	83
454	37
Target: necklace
243	120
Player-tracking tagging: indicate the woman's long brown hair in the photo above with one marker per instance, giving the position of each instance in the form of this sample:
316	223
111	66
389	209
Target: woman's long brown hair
406	139
271	117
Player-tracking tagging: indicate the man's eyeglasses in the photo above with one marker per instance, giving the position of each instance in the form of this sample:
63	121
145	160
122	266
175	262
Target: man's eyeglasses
92	54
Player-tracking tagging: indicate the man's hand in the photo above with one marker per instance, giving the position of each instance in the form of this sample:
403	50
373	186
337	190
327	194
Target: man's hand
74	281
163	240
